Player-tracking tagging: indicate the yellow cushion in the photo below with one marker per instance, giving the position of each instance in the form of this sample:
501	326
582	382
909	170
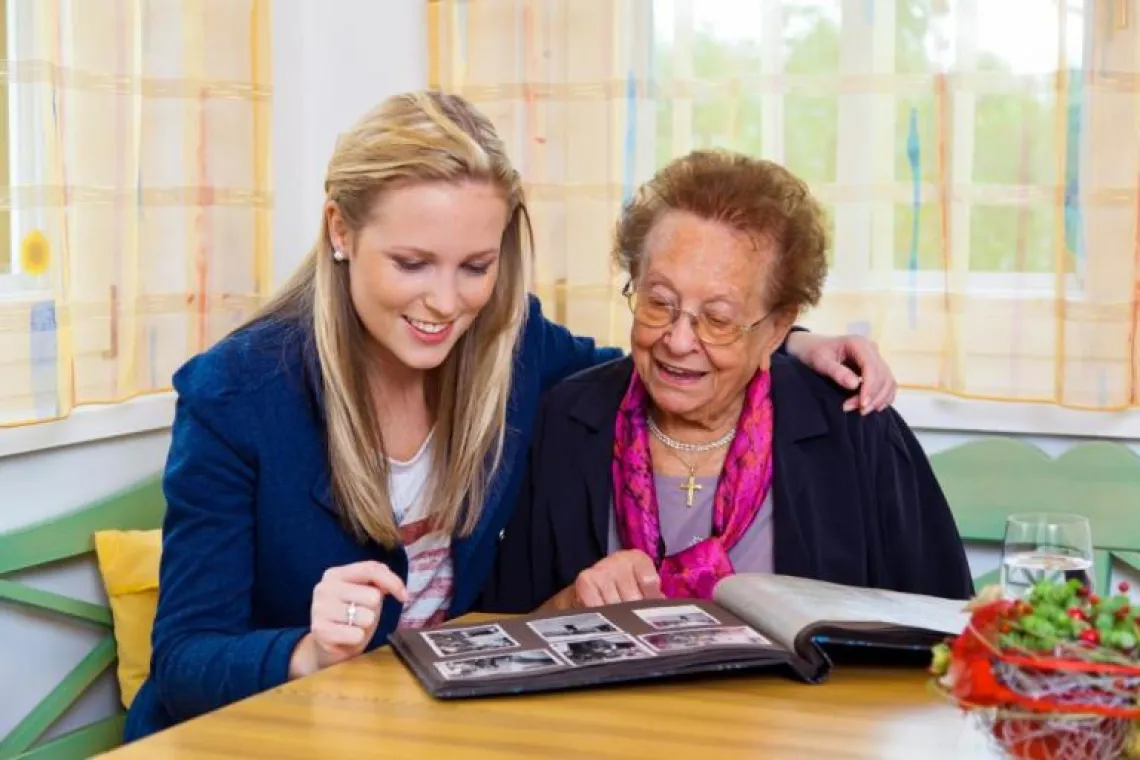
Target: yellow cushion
128	561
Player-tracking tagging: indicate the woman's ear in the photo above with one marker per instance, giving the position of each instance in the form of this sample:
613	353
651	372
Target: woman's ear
337	227
781	324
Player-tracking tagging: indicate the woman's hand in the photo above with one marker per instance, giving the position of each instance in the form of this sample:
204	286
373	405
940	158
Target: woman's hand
344	615
829	356
625	576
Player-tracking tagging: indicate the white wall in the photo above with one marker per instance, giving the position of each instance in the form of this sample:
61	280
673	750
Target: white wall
333	59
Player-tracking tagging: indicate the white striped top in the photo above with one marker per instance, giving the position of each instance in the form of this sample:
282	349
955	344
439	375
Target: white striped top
429	554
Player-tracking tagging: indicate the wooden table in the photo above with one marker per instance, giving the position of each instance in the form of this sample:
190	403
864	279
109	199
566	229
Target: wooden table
373	707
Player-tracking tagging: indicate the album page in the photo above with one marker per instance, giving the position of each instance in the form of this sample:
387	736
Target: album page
801	613
611	644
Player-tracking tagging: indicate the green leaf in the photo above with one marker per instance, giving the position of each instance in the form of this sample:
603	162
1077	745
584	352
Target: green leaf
1124	639
1039	627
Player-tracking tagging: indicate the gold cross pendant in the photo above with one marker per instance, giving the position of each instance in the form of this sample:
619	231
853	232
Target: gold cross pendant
691	485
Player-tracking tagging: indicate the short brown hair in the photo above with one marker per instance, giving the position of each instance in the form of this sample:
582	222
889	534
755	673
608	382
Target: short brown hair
760	198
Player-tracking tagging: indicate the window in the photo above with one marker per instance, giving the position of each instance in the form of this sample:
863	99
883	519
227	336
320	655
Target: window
21	132
137	161
983	235
957	162
847	94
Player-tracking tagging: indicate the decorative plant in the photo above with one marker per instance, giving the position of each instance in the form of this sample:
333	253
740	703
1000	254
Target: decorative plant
1053	675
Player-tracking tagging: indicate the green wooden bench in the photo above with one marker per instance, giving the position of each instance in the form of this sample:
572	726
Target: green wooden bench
63	538
987	480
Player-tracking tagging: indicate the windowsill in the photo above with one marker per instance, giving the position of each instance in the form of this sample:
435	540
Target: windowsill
91	423
925	410
18	288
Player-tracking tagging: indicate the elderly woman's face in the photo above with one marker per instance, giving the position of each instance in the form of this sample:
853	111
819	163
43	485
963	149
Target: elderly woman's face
708	268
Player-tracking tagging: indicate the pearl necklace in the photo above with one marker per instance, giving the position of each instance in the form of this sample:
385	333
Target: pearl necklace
692	448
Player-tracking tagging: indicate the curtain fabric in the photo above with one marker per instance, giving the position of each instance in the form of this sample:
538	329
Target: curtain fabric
978	160
138	195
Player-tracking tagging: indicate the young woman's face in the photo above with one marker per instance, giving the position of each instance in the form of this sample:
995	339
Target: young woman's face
423	266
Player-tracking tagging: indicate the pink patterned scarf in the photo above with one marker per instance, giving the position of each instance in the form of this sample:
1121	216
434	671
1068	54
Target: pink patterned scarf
740	492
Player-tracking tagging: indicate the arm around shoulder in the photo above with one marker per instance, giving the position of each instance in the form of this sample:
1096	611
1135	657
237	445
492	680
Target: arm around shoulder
207	650
561	352
925	552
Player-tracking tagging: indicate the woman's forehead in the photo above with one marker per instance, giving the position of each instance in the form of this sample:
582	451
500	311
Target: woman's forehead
704	258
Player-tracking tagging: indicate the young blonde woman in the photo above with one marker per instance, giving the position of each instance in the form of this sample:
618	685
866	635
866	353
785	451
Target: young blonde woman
344	464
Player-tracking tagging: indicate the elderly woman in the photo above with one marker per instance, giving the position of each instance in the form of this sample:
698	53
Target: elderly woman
707	452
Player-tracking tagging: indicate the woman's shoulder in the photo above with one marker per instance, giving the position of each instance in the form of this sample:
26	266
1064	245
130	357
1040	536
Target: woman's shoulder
549	352
814	405
250	360
598	387
794	381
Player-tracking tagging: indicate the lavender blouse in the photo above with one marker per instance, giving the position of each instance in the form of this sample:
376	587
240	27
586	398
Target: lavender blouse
683	526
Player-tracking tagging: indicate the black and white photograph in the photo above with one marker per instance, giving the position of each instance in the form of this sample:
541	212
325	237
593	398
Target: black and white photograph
485	666
671	641
573	626
668	618
609	648
482	638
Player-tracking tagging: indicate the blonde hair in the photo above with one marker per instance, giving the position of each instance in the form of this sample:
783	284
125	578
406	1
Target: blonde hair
410	138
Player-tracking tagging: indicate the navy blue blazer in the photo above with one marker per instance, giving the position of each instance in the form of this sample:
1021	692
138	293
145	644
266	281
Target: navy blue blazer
854	498
251	526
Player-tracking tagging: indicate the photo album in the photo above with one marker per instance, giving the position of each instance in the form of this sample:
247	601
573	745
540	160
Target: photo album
754	621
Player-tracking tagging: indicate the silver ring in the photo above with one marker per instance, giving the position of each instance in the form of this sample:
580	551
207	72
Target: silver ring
350	614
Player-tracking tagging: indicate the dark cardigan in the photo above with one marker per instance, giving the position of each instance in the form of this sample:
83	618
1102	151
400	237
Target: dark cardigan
855	499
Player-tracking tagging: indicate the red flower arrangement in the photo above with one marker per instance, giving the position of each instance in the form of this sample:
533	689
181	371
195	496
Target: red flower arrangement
1055	675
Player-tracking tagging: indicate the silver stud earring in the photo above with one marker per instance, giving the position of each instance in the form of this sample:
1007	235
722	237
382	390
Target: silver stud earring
338	257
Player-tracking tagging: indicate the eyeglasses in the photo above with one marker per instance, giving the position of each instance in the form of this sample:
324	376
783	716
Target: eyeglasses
654	311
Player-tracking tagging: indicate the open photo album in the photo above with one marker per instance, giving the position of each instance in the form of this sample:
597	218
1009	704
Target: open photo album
754	621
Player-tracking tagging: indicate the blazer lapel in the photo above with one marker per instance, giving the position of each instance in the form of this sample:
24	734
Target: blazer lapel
597	468
796	420
596	410
321	492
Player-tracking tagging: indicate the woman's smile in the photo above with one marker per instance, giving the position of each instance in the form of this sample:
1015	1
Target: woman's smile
677	375
431	333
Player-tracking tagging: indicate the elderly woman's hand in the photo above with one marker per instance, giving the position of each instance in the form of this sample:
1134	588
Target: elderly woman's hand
625	576
829	357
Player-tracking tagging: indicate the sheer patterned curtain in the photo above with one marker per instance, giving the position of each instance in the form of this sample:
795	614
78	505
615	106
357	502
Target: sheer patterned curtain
138	201
550	75
979	161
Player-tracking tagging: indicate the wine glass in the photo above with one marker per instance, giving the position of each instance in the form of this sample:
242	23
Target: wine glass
1045	547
